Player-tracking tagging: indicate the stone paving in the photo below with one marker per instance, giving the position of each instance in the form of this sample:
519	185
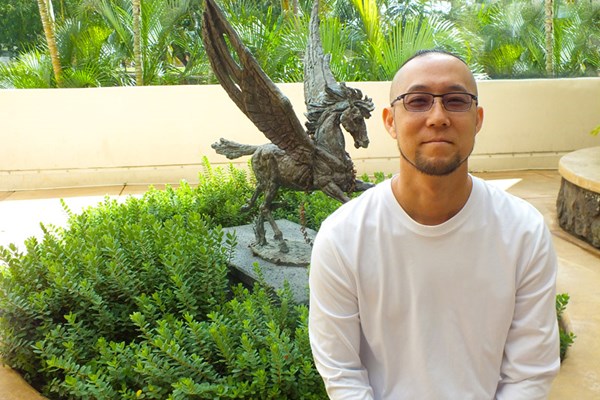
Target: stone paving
579	272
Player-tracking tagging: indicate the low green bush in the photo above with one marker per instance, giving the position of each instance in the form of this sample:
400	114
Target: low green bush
134	300
566	337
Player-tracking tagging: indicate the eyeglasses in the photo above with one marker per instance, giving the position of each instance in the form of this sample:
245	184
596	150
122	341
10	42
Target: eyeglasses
423	101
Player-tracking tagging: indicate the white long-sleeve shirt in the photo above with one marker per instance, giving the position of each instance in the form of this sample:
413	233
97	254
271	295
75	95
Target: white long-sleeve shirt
462	310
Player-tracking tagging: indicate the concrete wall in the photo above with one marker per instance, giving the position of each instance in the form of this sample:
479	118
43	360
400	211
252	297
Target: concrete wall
53	138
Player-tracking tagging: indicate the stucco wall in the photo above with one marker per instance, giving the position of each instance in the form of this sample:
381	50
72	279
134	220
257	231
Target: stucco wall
85	137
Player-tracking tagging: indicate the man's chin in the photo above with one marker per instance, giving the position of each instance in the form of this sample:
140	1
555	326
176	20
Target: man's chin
438	167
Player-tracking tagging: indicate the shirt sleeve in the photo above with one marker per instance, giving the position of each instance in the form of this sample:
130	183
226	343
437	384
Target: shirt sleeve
532	355
334	324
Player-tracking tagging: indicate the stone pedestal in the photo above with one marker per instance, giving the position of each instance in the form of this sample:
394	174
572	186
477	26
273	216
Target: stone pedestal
275	269
578	202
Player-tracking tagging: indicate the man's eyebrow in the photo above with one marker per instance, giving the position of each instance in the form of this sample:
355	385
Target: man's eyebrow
451	88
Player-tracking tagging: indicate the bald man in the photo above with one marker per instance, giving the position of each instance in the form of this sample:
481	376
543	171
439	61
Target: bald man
434	284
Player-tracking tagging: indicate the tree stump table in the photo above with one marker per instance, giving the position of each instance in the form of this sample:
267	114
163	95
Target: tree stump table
578	202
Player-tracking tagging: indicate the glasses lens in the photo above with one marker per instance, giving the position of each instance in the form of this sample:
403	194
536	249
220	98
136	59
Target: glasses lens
457	101
417	101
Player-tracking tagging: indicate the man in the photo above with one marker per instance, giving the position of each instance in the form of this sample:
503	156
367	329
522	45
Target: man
434	284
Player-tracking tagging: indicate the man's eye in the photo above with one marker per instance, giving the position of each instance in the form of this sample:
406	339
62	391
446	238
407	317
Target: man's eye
418	100
458	99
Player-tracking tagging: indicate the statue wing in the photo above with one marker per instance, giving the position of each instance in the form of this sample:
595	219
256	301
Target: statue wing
318	77
250	88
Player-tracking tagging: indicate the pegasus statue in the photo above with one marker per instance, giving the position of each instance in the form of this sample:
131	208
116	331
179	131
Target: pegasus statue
301	159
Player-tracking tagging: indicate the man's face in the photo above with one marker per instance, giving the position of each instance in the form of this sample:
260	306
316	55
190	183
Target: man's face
437	141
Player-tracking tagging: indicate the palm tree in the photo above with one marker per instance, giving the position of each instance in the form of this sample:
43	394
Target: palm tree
549	30
577	39
137	53
158	28
47	17
391	34
517	41
123	42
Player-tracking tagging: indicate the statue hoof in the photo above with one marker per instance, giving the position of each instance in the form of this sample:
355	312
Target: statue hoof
361	186
283	247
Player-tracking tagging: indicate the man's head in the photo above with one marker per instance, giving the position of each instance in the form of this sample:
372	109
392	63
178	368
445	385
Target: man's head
434	115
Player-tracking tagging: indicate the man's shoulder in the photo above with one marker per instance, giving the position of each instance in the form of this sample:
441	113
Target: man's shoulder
507	205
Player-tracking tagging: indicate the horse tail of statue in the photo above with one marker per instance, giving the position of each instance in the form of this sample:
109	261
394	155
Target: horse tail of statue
233	150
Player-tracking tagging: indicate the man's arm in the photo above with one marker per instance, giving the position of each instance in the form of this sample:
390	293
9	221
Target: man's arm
531	355
334	324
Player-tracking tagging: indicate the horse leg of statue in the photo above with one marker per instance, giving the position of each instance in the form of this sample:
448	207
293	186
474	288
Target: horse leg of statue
360	186
332	190
259	229
248	206
270	193
283	247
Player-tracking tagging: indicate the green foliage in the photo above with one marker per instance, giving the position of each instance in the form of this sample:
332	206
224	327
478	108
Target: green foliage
32	69
509	37
367	39
82	284
19	23
255	346
566	338
218	197
595	131
133	300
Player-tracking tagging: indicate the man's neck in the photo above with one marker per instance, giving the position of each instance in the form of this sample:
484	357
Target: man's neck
432	200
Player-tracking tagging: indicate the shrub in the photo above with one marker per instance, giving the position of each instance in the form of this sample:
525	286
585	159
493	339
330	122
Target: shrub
252	347
566	338
133	300
82	284
218	196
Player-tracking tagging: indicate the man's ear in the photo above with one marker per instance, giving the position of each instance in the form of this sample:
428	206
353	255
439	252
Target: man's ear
388	121
479	121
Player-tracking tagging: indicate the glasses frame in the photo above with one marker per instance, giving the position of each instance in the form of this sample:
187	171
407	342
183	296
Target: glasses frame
402	96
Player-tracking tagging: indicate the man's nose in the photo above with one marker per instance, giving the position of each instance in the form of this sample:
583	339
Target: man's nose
438	114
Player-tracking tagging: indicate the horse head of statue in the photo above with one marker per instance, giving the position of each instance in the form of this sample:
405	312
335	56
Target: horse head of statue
340	105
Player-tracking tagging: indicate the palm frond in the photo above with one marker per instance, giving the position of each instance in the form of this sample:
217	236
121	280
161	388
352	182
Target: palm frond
30	70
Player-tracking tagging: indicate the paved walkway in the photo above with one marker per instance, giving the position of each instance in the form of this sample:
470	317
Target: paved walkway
579	273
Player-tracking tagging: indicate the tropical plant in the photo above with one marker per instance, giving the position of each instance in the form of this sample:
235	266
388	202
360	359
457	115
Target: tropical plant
385	35
549	35
368	39
86	58
137	42
159	22
20	24
515	37
47	17
577	39
30	70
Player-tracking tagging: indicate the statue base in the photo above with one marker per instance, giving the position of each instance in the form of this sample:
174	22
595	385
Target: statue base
276	267
298	253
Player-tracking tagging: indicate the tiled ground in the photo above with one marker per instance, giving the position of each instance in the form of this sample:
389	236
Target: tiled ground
579	274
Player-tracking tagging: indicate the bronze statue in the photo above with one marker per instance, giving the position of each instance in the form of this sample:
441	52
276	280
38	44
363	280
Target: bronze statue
306	160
